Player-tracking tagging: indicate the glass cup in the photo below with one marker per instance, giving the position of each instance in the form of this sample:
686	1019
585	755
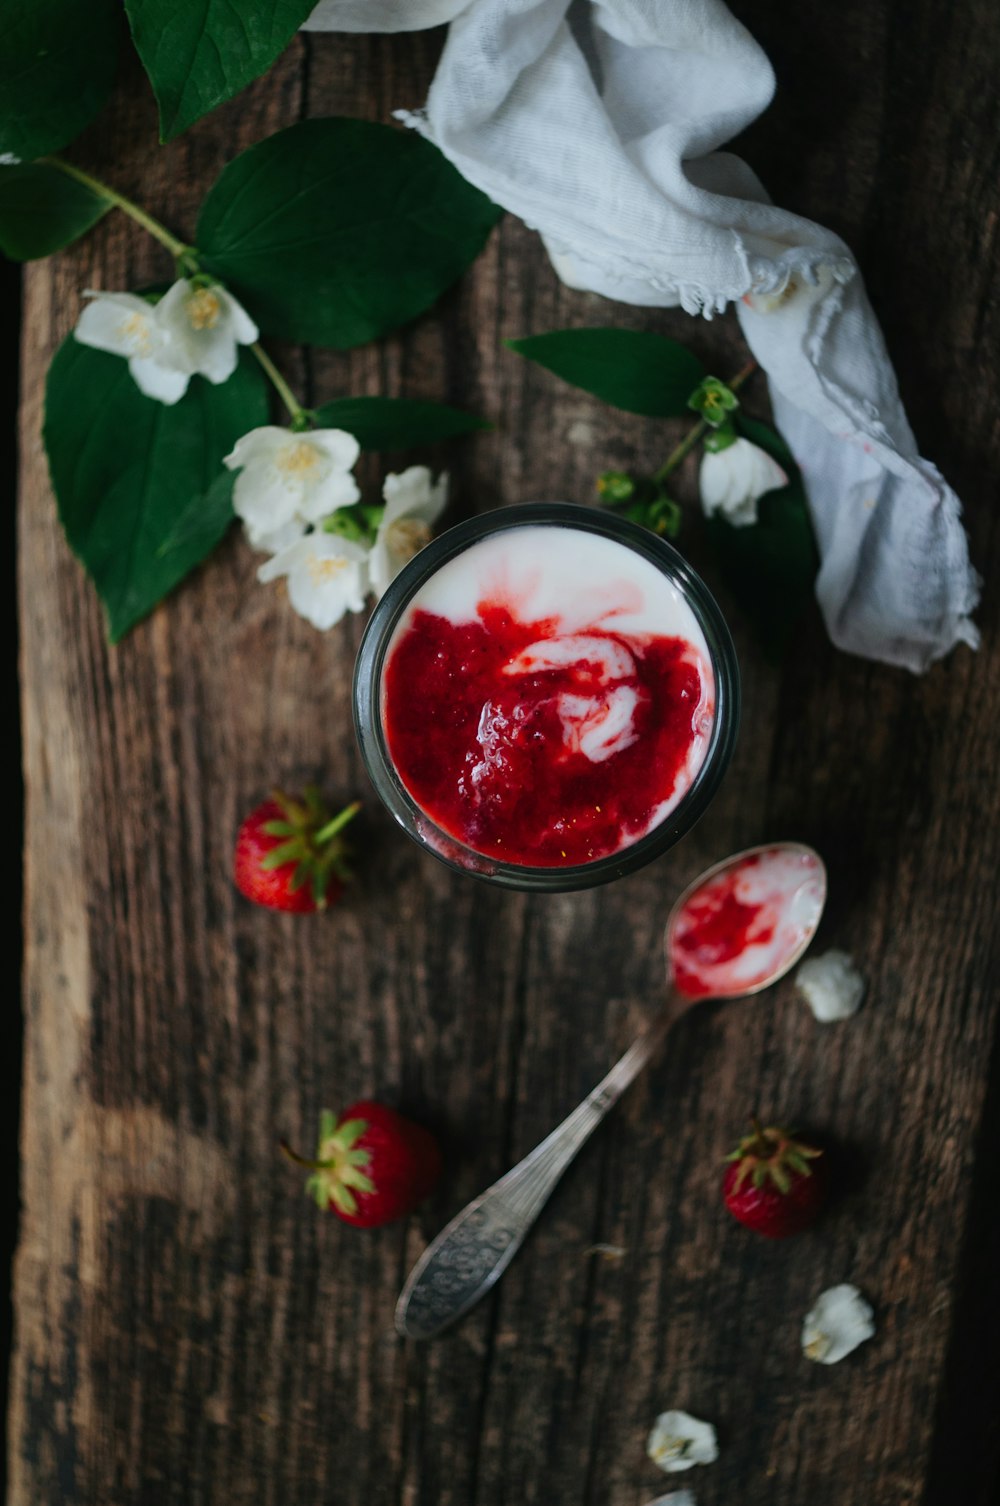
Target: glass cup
369	698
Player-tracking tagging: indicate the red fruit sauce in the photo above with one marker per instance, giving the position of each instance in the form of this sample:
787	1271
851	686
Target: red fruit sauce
746	924
488	738
718	929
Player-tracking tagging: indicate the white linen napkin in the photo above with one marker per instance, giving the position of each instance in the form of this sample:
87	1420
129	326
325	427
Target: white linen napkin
598	123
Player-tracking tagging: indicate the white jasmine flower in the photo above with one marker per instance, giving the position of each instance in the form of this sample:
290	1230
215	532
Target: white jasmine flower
839	1321
831	985
327	576
193	330
204	326
8	159
289	479
675	1498
125	325
731	481
413	502
679	1441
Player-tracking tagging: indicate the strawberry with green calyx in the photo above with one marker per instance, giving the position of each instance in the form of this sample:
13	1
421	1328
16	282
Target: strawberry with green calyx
774	1183
290	854
371	1166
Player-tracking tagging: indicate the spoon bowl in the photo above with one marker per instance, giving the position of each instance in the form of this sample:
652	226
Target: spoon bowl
745	922
737	929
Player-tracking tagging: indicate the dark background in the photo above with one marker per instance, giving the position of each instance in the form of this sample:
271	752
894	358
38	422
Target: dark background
242	1356
11	1031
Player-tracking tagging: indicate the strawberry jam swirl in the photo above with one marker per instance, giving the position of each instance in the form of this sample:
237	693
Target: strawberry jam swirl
743	925
554	740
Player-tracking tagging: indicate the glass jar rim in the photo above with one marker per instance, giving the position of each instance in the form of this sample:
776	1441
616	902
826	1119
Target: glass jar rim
376	642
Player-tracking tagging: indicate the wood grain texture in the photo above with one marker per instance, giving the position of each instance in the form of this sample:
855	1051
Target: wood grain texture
188	1329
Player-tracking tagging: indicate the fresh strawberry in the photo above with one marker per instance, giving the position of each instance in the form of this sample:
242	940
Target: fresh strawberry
372	1165
290	854
774	1183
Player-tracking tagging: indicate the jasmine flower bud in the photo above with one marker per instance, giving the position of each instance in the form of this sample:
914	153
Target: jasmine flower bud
734	476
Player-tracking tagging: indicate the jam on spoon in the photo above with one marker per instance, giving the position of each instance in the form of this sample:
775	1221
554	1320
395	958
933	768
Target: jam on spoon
738	928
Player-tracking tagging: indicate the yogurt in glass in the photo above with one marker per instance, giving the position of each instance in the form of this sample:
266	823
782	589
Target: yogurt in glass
545	695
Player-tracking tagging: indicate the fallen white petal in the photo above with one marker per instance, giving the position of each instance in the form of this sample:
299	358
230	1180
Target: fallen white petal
838	1322
831	985
679	1441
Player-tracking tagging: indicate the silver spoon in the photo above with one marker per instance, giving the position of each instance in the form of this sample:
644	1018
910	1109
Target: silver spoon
471	1253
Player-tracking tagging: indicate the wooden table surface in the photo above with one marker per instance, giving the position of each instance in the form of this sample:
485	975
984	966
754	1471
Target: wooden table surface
189	1329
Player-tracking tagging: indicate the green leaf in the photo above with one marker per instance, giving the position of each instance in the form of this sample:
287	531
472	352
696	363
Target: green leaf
199	53
42	210
770	567
769	439
57	66
333	232
631	369
396	423
127	469
202	522
285	852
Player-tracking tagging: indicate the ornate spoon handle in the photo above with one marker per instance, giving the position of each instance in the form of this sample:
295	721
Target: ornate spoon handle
472	1252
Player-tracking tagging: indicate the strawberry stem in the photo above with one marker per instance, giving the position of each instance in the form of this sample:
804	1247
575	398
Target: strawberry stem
293	1155
338	823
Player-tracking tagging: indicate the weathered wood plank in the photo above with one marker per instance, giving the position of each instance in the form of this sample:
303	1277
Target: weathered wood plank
188	1329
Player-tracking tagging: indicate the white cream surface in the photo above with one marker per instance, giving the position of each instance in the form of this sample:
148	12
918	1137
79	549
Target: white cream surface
579	578
785	885
582	586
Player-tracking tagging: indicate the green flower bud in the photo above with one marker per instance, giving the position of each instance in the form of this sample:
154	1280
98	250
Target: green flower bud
713	400
664	517
614	487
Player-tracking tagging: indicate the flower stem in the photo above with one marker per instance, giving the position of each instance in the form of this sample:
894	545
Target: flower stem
300	416
743	375
690	439
678	453
159	232
188	257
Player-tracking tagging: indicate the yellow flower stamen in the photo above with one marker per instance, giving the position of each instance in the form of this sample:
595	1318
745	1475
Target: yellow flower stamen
818	1347
408	536
204	309
321	571
136	330
298	458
